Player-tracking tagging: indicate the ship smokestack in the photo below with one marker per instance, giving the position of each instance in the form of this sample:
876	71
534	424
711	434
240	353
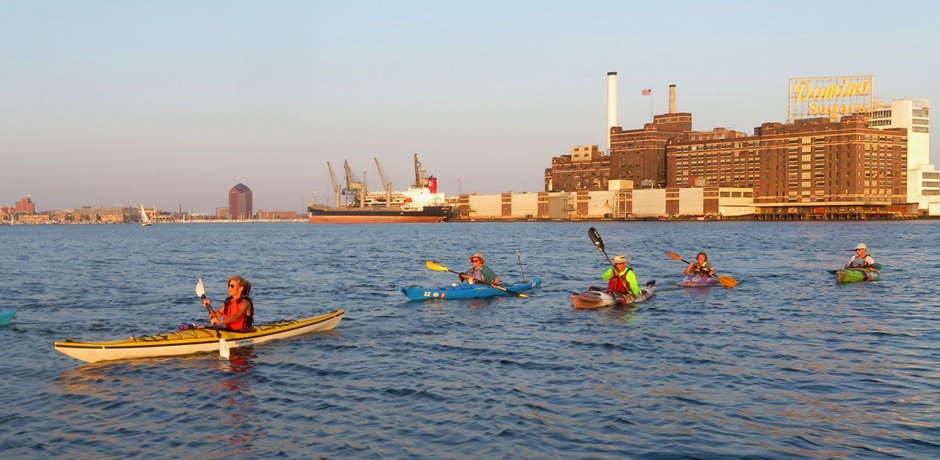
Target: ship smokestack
672	98
611	104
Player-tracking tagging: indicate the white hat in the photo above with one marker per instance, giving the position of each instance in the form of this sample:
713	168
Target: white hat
621	259
861	246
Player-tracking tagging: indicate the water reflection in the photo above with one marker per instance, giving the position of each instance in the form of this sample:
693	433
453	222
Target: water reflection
238	402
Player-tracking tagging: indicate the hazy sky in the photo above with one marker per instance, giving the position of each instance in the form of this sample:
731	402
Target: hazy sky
171	103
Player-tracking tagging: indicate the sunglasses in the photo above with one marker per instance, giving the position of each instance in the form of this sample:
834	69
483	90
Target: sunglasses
474	260
232	285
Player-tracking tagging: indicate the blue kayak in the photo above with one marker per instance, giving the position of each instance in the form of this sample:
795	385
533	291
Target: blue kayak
468	291
6	317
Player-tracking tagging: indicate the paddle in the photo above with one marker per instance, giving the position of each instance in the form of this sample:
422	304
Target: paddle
223	347
599	242
875	266
519	257
440	268
725	281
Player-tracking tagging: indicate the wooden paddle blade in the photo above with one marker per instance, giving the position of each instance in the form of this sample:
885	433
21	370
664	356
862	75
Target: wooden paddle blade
596	238
436	266
727	281
674	255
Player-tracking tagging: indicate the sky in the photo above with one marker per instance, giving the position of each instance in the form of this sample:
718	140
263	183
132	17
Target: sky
172	103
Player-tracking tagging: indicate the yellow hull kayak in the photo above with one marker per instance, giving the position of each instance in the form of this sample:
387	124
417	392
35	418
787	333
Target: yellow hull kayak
185	342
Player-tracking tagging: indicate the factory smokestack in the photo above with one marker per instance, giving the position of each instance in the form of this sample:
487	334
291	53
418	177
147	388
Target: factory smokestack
611	104
672	98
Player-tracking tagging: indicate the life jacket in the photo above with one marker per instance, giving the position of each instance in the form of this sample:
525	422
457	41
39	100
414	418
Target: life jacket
701	270
616	284
245	322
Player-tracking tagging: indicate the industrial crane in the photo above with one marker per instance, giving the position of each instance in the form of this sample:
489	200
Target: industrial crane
421	180
354	184
385	183
336	187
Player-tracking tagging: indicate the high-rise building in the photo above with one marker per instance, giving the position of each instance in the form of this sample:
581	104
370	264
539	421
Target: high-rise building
239	202
25	206
839	168
923	181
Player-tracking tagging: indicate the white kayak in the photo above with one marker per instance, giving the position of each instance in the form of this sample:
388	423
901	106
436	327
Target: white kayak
597	298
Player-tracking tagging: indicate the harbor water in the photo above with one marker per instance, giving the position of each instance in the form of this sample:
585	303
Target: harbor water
787	364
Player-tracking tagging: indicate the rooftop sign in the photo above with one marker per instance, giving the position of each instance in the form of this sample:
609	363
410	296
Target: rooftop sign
832	97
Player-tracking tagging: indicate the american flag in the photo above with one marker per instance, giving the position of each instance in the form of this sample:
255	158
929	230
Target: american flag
647	92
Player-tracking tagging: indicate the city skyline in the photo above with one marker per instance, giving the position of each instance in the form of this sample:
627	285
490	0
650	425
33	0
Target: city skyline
171	104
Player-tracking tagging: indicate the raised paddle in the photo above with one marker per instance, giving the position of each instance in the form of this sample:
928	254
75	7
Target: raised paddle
599	242
725	281
440	268
223	347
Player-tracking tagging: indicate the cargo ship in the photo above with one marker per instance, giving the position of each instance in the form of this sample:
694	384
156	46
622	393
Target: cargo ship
421	203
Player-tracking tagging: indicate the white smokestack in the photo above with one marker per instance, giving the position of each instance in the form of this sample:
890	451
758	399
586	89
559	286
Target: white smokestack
611	104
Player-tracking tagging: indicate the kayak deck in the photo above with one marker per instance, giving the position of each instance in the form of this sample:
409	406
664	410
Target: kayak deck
854	275
598	298
468	291
6	317
177	343
699	281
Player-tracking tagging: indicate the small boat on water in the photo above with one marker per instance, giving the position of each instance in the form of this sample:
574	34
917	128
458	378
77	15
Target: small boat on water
144	218
596	297
468	291
699	281
854	275
6	317
184	342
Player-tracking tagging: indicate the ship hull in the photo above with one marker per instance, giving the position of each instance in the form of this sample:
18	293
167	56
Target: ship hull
430	214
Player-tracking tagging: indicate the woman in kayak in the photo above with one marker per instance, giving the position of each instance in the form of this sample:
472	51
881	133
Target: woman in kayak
479	272
861	259
616	279
701	266
238	311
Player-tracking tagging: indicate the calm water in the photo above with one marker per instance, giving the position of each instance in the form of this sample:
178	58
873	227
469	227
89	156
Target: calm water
786	365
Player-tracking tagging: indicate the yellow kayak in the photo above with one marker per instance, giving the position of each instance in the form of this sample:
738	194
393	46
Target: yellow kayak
195	340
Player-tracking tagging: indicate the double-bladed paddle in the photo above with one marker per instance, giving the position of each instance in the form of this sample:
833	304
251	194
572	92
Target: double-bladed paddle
440	268
725	281
223	347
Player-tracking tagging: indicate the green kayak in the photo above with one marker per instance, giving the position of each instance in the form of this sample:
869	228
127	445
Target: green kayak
854	275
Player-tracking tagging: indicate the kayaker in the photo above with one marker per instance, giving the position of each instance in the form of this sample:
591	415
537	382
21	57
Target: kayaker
701	266
861	259
238	311
479	272
616	284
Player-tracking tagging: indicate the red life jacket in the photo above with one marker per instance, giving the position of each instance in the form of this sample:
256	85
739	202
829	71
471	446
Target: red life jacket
246	321
616	283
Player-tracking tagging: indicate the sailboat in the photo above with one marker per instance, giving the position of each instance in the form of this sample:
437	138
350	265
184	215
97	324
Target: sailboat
144	218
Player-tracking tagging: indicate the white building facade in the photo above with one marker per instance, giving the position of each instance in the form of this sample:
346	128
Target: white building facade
923	180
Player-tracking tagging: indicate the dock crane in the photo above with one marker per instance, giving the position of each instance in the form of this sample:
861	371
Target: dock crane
385	183
354	184
336	187
421	179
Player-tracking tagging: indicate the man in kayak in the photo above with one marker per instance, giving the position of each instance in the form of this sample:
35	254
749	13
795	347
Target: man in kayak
616	276
238	311
861	259
701	266
479	272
